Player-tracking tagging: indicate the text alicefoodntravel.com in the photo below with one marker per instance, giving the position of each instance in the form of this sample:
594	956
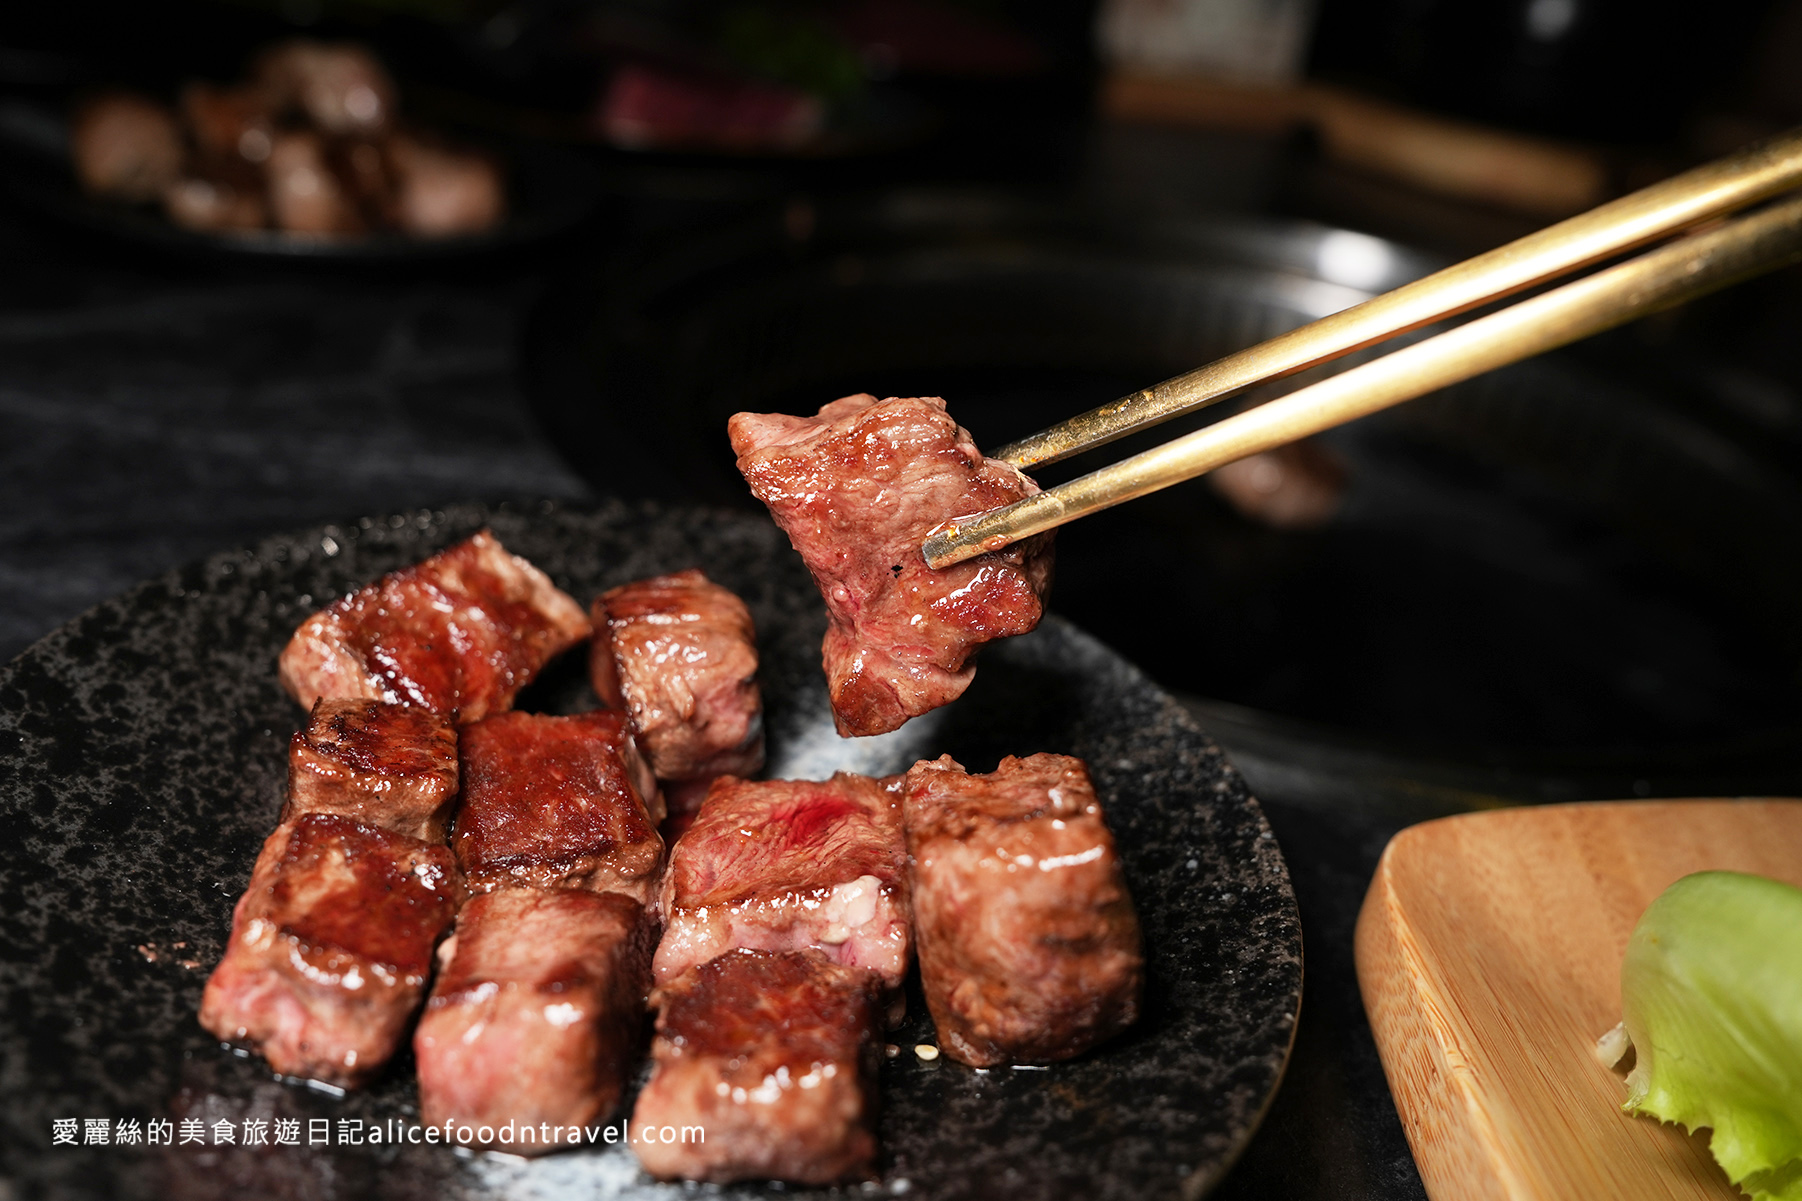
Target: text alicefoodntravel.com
351	1132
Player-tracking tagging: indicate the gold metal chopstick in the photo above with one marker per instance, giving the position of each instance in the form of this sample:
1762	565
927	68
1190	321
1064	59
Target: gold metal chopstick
1656	280
1754	174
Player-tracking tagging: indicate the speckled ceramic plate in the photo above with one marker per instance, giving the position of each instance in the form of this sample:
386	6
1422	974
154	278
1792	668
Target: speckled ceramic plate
142	760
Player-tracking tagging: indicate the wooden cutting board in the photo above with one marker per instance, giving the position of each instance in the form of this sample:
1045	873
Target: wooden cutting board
1489	952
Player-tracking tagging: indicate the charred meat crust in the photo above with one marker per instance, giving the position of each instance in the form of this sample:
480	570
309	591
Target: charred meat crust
678	653
558	802
538	1015
1029	946
460	633
393	766
784	865
857	489
774	1056
331	945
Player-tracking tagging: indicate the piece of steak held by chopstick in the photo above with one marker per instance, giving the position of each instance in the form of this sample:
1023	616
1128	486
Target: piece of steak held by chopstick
535	1021
460	633
678	654
1029	946
857	489
558	802
788	865
330	947
773	1056
393	766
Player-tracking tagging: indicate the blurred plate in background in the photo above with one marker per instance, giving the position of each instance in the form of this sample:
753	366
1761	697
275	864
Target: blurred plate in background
551	191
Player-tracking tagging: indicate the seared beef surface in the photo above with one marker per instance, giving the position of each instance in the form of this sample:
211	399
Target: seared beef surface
537	1016
679	655
857	489
331	945
1029	946
558	802
393	766
773	1055
460	633
783	865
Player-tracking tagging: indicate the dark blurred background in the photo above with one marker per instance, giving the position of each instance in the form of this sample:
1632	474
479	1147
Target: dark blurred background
1574	578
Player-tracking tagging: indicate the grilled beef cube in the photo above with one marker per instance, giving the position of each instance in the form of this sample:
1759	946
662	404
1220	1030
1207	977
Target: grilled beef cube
788	865
679	655
460	633
537	1015
339	87
1029	946
213	203
362	170
125	145
229	123
558	802
305	194
330	947
444	192
857	489
773	1055
393	766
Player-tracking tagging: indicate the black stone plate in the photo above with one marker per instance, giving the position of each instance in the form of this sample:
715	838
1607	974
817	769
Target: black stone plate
142	762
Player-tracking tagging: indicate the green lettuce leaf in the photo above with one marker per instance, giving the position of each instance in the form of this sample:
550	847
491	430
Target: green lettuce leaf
1711	991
